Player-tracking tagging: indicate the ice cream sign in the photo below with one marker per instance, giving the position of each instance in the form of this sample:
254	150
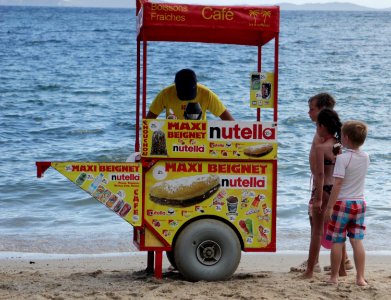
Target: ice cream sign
214	139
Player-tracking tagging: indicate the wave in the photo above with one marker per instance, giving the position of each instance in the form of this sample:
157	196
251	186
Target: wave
48	87
91	92
87	131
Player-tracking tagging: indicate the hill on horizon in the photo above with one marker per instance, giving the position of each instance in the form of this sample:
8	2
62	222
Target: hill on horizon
329	6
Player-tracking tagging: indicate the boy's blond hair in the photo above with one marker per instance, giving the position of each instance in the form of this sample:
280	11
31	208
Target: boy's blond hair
356	131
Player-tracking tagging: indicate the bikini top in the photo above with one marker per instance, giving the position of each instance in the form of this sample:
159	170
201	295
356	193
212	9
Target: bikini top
328	162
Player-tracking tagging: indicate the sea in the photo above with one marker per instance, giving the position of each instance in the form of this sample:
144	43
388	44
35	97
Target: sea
67	93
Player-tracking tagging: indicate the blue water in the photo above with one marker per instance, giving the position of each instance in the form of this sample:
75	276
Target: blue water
67	92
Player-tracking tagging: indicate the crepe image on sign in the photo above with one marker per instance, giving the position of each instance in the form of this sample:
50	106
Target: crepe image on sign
185	191
158	143
258	150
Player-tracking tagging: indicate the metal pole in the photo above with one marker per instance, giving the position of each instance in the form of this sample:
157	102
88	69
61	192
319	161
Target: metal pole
137	143
259	70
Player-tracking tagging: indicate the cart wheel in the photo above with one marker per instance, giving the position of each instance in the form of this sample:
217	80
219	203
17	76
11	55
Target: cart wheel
171	258
207	250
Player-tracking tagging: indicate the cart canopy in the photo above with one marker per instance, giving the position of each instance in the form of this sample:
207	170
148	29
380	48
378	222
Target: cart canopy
242	25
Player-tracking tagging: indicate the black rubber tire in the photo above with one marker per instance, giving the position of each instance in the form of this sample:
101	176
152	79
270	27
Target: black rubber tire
171	259
208	250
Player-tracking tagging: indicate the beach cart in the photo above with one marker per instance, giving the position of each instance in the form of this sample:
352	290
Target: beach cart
201	191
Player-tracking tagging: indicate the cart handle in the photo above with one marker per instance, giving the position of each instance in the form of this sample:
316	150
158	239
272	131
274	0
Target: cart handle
42	166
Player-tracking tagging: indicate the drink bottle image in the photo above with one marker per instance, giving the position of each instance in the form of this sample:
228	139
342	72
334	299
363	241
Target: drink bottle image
249	225
255	202
80	180
95	183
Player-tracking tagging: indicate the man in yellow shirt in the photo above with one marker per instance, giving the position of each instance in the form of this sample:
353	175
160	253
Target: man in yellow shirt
176	97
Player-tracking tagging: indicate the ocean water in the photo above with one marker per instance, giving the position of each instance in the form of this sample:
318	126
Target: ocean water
67	92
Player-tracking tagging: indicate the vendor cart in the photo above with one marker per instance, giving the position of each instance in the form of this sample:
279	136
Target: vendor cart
202	191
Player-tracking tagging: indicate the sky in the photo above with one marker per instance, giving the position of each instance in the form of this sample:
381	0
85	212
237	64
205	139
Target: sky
131	3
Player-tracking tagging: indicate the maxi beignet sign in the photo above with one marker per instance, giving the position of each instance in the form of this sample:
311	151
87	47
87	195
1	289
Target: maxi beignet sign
116	185
240	192
209	139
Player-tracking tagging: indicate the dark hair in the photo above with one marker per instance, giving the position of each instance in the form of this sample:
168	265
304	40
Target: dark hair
329	118
356	131
323	100
186	84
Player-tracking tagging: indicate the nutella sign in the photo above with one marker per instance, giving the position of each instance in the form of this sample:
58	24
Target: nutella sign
209	139
242	131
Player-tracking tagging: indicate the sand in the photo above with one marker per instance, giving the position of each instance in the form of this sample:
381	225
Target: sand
259	276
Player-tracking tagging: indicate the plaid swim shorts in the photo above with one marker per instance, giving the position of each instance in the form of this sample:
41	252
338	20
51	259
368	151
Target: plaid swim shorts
348	217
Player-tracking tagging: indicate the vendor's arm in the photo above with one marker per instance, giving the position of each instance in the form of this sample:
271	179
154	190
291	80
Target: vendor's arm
159	103
151	115
226	116
212	102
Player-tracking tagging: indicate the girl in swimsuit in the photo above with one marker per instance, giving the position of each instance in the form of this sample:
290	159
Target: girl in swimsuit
328	128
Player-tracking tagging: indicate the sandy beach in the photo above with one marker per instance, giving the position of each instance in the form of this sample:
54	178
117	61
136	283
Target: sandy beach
259	276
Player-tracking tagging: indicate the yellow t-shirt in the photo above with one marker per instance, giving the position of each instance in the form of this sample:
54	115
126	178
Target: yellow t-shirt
167	99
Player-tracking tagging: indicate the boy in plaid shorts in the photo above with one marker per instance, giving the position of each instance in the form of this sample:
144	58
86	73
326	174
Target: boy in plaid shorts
346	207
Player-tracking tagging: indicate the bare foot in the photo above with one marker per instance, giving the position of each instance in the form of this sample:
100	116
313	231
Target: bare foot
332	280
306	275
361	282
342	273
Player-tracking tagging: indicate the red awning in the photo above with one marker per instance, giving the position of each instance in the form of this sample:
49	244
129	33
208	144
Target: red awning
242	25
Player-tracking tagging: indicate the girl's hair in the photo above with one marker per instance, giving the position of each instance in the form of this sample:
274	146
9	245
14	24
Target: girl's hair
356	131
330	119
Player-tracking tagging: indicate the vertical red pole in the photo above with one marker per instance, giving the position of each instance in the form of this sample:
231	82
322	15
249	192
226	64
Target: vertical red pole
137	143
275	118
259	70
159	264
138	6
274	205
276	41
144	77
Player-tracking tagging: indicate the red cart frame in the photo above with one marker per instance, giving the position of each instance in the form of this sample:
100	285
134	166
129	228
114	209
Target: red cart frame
241	25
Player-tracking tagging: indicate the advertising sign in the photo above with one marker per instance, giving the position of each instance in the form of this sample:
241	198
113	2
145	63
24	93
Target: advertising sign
209	139
262	90
243	25
116	185
240	192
